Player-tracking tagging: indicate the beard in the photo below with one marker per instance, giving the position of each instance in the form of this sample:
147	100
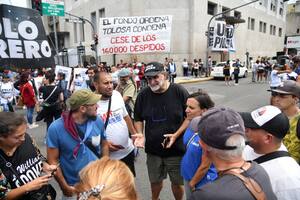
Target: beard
156	87
91	117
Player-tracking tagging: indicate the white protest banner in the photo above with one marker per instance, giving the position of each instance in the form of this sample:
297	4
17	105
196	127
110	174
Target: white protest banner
82	72
222	37
23	40
131	35
67	71
293	42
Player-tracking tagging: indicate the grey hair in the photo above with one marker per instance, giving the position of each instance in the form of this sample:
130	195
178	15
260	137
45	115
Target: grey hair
228	155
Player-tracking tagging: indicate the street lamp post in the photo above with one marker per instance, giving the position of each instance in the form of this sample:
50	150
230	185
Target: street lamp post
93	27
208	26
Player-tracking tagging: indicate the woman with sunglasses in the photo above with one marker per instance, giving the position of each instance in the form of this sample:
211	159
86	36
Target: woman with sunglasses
21	163
196	169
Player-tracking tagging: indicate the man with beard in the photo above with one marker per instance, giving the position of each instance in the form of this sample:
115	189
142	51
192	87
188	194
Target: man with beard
112	110
161	106
76	139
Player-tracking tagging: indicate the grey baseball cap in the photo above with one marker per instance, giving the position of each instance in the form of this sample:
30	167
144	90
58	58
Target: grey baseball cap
288	87
218	124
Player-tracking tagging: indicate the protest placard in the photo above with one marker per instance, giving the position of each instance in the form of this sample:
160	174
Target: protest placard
67	71
221	37
132	35
23	41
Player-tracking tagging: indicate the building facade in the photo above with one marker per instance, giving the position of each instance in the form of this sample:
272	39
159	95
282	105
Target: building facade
262	34
293	28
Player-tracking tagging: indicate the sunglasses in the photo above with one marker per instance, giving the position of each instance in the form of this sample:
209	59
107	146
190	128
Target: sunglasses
274	94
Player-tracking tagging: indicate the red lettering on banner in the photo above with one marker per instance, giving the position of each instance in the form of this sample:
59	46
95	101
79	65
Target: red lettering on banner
119	40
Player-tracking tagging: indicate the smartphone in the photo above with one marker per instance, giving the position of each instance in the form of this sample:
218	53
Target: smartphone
57	166
166	142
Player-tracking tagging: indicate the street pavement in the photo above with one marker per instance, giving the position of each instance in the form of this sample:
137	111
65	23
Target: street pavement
244	97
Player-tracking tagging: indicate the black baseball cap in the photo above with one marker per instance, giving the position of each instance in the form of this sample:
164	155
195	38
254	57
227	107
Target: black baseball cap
153	68
218	124
268	118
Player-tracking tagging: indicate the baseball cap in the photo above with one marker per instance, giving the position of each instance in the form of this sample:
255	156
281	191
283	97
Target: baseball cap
124	72
268	118
82	97
153	68
288	87
218	124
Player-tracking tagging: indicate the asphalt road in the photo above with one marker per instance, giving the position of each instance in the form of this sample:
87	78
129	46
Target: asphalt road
244	97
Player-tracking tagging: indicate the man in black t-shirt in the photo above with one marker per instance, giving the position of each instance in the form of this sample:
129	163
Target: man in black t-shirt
161	106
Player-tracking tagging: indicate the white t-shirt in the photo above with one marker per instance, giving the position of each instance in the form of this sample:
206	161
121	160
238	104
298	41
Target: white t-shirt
117	130
7	92
185	64
284	173
275	79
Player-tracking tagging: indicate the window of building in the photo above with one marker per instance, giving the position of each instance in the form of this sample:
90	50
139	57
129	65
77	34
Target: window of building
224	9
281	11
298	30
102	13
237	14
274	30
75	32
279	32
261	24
262	27
271	29
251	23
211	8
94	22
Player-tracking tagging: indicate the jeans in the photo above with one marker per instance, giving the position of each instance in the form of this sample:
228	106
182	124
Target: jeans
253	76
7	107
29	114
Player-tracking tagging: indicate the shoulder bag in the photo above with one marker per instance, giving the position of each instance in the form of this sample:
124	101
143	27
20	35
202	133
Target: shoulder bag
44	103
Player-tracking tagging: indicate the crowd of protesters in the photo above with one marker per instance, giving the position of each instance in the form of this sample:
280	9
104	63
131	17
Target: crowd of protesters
96	125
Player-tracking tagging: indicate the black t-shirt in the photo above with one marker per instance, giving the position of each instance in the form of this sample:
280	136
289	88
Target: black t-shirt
163	114
25	161
46	91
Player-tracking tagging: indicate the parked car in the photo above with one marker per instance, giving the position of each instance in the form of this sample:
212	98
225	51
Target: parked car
217	70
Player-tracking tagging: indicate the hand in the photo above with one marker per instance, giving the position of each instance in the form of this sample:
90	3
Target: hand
192	185
69	191
38	183
114	147
138	140
172	139
49	169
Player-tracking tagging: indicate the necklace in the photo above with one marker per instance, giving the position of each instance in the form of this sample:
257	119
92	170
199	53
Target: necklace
220	173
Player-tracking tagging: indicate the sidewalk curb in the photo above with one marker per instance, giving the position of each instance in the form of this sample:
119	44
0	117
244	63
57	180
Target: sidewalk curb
195	80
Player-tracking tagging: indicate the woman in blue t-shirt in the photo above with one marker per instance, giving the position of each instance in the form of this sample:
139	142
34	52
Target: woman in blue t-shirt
196	169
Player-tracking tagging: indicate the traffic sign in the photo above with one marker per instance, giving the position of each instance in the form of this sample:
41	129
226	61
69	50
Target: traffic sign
81	49
53	7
